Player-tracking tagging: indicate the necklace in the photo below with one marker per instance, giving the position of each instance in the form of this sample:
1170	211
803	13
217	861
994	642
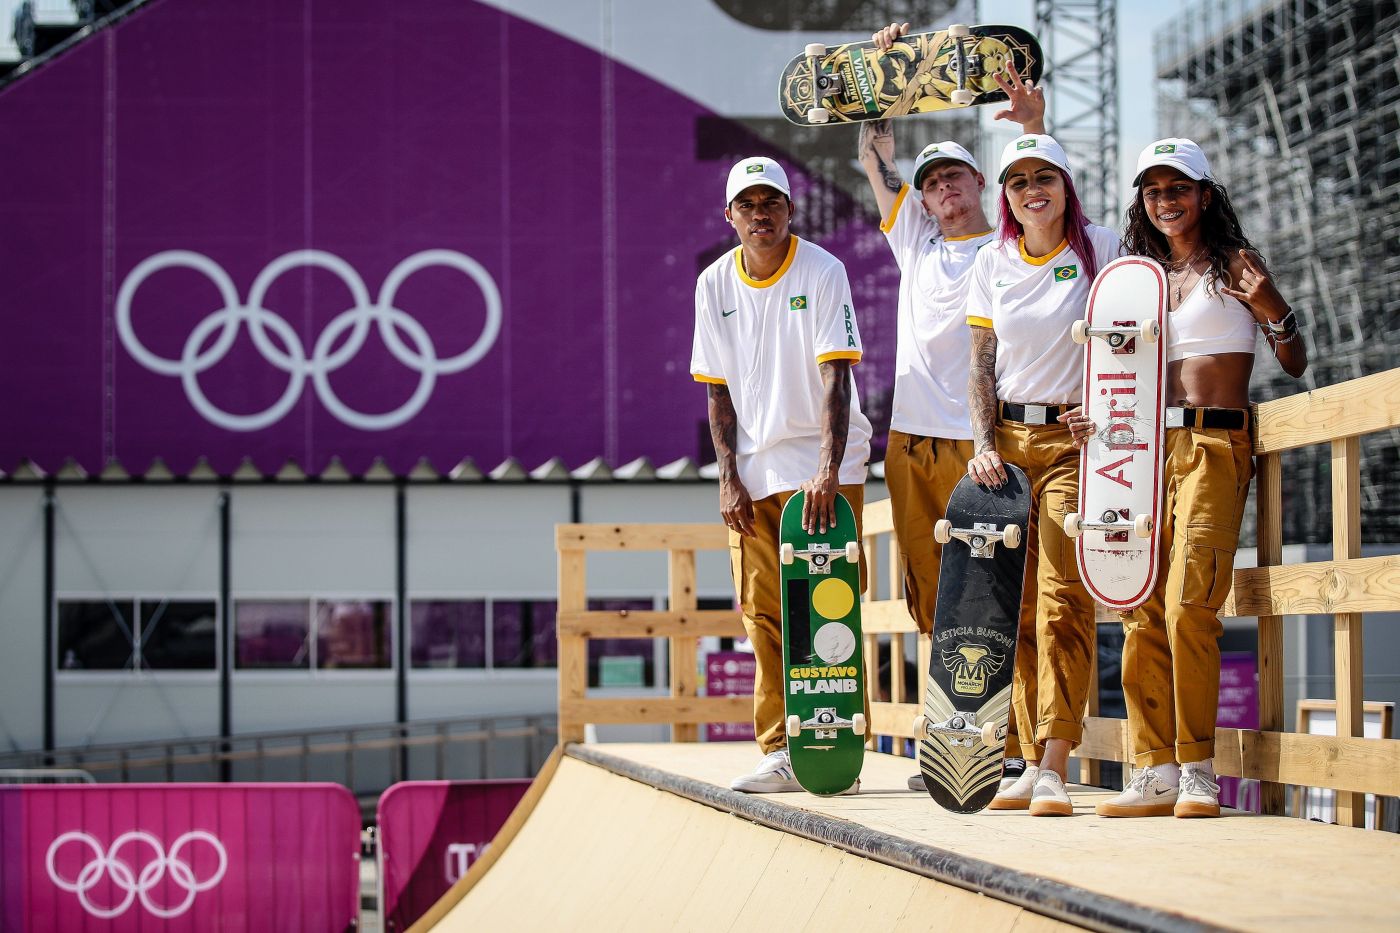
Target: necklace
1179	270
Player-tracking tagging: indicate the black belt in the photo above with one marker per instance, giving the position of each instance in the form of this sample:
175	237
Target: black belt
1032	414
1231	419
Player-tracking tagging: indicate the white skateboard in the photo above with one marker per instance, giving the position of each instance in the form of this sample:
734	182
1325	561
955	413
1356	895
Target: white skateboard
1120	468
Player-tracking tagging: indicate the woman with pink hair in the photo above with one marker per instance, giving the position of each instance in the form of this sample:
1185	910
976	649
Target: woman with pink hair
1028	288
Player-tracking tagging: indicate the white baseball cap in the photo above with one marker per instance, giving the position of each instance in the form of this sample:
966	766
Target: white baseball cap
1033	146
1181	154
756	170
944	150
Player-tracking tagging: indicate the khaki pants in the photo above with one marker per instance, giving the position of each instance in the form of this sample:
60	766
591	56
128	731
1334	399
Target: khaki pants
1171	649
757	580
921	473
1056	643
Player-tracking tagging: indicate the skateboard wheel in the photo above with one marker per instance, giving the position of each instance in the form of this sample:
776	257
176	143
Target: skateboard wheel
1011	536
1150	331
962	97
1079	333
1142	526
785	553
943	531
858	724
989	735
958	31
1074	524
818	115
794	726
852	552
920	726
815	50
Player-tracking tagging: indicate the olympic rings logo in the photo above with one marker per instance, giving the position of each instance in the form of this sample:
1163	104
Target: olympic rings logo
136	884
291	357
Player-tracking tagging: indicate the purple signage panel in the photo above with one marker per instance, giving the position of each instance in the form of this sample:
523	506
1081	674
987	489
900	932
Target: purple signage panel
1239	709
430	832
729	674
179	857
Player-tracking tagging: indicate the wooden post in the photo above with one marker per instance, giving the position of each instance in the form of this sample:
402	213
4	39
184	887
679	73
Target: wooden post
1090	769
681	573
1269	509
1346	626
573	649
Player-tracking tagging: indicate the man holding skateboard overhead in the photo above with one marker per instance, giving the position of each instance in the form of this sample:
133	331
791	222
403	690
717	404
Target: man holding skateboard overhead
775	339
934	227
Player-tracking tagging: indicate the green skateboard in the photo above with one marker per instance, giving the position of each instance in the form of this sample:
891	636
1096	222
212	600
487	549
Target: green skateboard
824	682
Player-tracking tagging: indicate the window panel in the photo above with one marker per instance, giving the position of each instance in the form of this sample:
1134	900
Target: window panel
621	661
448	633
273	634
96	635
178	635
522	633
352	634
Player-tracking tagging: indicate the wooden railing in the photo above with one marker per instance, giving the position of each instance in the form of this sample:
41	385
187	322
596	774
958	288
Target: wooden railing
1343	587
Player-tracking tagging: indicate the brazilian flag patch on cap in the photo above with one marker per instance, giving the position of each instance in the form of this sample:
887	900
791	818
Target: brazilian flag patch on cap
755	169
797	303
1065	273
1026	144
1164	149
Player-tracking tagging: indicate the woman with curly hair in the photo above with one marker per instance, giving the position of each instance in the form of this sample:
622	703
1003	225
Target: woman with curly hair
1027	289
1219	292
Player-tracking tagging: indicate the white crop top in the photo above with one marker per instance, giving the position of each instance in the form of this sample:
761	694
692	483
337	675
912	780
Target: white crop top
1206	324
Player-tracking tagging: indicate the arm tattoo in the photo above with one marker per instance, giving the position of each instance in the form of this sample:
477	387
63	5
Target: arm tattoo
982	389
724	430
836	413
870	132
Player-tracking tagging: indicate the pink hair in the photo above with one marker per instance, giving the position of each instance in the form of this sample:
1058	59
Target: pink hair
1076	225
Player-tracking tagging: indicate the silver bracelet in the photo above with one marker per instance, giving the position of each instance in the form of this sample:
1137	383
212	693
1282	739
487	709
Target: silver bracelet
1287	324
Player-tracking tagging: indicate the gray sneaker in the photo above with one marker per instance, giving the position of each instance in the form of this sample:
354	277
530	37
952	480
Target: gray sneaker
772	776
917	783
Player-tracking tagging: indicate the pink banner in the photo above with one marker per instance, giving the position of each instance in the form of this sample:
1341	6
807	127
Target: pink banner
729	674
179	857
430	832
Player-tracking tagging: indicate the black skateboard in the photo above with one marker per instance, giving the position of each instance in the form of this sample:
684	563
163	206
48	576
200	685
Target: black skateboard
967	702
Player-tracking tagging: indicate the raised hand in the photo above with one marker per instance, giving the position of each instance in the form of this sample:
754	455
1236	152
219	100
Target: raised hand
1256	289
1027	102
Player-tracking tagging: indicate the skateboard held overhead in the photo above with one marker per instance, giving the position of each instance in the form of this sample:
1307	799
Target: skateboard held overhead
1120	468
967	701
824	676
920	73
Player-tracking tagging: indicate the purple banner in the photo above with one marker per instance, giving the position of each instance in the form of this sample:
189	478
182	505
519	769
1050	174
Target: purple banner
430	832
297	231
1238	709
729	674
179	857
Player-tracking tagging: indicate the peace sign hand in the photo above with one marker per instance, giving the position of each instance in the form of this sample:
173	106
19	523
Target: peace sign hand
1027	101
1257	291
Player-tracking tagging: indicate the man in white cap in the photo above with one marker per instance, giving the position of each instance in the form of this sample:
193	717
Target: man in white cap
775	339
934	238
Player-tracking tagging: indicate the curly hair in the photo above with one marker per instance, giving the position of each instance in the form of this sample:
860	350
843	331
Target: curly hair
1221	233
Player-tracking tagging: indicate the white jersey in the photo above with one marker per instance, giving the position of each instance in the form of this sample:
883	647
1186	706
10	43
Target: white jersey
765	341
934	347
1031	304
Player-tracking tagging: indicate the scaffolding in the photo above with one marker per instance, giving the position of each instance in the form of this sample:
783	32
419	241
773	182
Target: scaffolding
1297	103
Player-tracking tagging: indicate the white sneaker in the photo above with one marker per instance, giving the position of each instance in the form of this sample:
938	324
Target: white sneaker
1147	794
772	776
1048	797
1199	794
917	783
1017	795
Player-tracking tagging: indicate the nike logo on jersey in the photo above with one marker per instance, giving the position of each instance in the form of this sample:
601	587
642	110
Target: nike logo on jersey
1001	284
727	313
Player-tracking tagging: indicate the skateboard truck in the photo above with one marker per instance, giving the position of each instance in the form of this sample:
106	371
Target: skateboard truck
819	555
823	84
1111	522
982	537
1117	335
824	723
961	97
961	730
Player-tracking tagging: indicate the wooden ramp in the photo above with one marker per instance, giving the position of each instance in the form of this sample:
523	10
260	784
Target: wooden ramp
648	837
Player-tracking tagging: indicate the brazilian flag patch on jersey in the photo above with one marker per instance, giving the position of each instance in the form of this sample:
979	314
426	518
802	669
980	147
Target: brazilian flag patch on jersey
797	303
1065	273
